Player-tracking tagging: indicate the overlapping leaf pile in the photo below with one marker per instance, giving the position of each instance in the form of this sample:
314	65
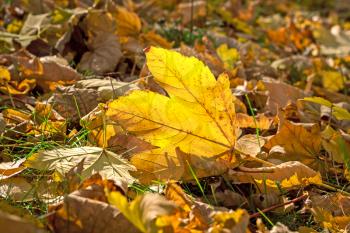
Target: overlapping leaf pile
174	116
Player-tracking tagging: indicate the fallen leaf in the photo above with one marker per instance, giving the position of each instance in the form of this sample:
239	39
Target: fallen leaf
80	214
305	145
17	189
107	163
332	80
228	56
231	221
259	121
107	88
104	54
280	94
331	143
339	112
128	23
143	211
198	117
153	39
250	144
9	169
10	223
48	72
287	175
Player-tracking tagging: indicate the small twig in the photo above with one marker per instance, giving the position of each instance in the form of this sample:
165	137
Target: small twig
191	24
278	205
329	187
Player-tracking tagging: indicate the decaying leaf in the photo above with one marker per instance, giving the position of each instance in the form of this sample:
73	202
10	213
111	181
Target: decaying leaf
305	145
10	223
9	169
107	163
280	94
16	188
287	175
80	214
104	54
250	144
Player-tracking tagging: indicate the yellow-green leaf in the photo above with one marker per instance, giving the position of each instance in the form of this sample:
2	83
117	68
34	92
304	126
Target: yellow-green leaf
332	80
227	56
339	112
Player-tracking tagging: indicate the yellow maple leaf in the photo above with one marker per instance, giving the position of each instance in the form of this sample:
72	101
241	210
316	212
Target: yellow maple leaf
198	117
199	111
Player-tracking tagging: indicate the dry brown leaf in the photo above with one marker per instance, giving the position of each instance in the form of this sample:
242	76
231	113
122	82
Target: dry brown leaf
335	203
49	72
281	94
98	22
287	175
9	169
16	188
250	145
151	38
107	88
10	223
104	54
305	145
73	103
79	215
193	213
229	199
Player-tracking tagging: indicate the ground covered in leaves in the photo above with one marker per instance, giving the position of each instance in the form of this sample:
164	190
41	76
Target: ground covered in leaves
174	116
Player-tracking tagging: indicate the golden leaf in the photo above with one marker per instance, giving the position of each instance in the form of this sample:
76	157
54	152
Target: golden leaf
230	221
198	117
305	145
143	211
128	23
332	80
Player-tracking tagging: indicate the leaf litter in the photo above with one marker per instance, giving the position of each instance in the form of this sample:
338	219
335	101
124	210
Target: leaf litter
176	116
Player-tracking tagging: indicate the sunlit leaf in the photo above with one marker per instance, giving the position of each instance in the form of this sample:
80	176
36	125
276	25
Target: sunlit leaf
95	160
